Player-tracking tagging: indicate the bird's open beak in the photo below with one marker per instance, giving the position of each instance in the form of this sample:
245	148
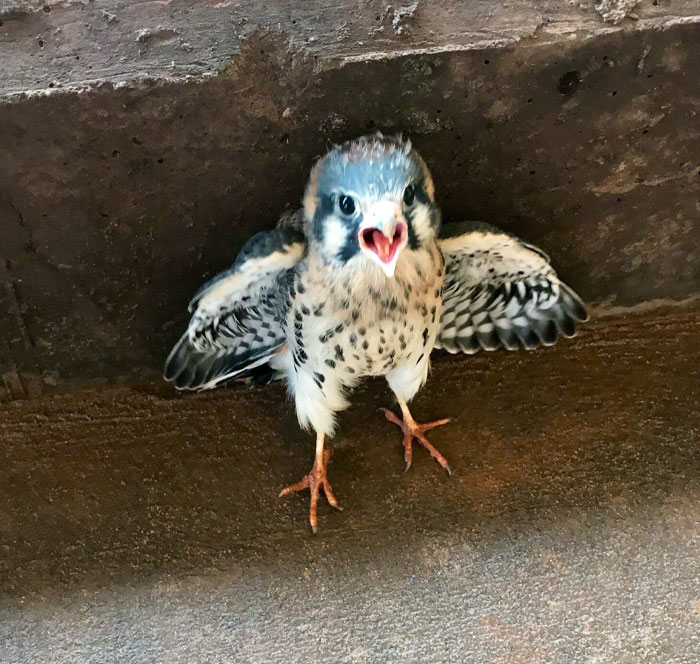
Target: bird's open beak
383	234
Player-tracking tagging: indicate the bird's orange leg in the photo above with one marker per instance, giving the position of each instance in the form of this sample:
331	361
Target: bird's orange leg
315	481
412	429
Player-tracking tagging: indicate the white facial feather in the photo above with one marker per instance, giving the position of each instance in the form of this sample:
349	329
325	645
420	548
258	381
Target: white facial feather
422	226
335	235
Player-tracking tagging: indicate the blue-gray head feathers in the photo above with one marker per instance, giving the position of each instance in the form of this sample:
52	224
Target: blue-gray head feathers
373	183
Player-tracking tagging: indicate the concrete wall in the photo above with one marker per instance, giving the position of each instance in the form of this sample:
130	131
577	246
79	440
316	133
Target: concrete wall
143	142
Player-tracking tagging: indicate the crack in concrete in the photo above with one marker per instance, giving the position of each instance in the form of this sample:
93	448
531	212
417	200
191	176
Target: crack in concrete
14	386
13	291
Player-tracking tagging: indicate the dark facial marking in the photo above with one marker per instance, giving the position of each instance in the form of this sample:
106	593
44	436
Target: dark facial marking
421	197
326	208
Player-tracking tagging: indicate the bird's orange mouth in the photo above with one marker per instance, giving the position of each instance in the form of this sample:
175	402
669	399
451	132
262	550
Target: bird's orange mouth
383	246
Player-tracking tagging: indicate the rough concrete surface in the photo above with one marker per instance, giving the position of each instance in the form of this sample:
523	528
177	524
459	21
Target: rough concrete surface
138	525
50	45
116	204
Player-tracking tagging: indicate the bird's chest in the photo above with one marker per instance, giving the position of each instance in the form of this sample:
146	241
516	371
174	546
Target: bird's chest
353	328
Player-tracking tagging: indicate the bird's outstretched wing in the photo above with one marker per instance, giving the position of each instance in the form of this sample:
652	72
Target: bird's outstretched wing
501	292
237	321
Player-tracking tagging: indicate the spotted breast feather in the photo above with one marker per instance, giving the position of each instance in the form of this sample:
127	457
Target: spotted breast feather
501	292
238	316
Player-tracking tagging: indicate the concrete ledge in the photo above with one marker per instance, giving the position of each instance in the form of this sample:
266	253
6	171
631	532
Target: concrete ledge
48	45
140	526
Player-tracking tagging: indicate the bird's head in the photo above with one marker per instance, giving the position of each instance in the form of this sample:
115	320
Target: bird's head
368	201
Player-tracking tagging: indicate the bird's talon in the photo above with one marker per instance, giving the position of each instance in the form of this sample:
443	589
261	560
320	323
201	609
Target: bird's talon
316	481
413	429
391	417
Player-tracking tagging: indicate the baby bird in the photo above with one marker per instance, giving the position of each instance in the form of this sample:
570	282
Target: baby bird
361	282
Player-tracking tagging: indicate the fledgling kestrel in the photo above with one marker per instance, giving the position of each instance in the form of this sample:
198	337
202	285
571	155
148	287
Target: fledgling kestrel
362	283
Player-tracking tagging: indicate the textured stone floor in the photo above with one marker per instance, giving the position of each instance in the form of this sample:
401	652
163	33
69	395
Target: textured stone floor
138	525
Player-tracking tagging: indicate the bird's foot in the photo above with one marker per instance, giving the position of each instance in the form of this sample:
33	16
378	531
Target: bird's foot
412	429
315	481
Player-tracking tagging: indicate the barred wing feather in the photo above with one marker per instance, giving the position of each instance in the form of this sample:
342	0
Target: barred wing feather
501	292
237	317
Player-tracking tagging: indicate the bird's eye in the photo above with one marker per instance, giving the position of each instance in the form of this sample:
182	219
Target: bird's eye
346	204
409	195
